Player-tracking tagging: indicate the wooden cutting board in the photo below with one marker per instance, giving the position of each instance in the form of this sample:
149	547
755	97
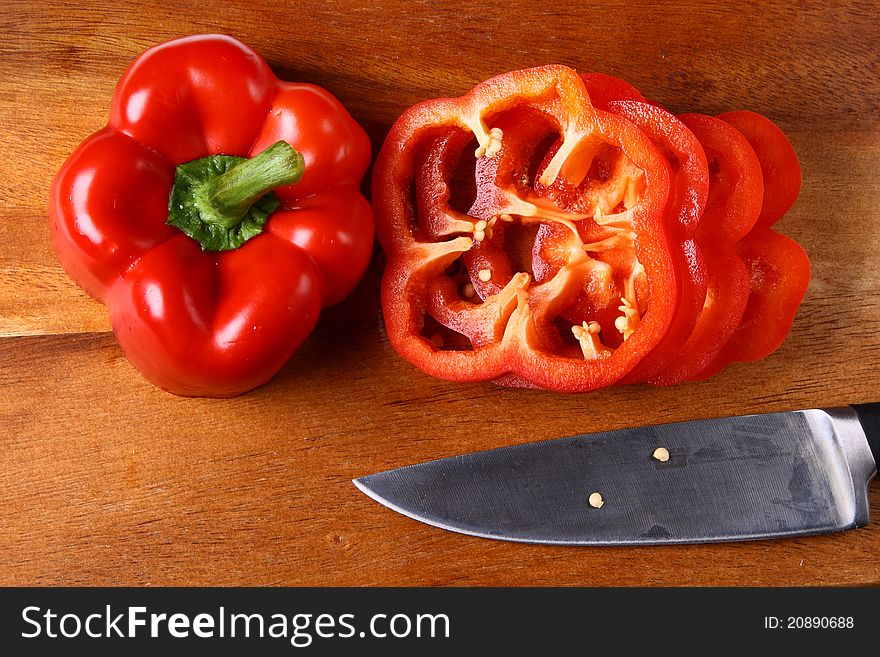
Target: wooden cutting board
107	480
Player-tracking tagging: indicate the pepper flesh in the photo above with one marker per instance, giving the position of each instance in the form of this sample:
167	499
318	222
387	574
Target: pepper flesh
525	265
778	268
212	323
511	333
732	207
691	188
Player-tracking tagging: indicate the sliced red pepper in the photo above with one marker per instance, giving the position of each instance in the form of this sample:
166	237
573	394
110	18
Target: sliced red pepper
780	167
732	207
691	187
779	269
604	89
602	299
779	273
691	182
736	186
600	161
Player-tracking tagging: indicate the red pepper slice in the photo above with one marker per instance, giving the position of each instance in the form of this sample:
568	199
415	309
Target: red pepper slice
601	161
214	322
732	207
779	273
736	187
691	182
691	187
604	89
780	167
779	269
727	294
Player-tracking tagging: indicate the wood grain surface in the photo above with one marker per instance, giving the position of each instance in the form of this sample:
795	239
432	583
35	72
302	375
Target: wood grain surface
106	480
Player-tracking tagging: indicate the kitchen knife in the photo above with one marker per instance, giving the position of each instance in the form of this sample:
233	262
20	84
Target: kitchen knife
726	479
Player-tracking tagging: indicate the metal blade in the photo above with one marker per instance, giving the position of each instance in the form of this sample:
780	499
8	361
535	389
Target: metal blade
739	478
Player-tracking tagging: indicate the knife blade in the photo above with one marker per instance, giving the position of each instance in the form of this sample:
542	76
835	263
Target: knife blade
728	479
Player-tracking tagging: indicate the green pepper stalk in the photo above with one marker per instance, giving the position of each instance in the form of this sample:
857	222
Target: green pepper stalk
222	201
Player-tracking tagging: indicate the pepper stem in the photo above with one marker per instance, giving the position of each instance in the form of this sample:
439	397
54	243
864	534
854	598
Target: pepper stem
226	199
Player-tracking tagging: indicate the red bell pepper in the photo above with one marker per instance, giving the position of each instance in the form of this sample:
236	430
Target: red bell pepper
779	273
778	268
633	233
780	167
691	183
605	89
691	187
465	295
732	207
168	214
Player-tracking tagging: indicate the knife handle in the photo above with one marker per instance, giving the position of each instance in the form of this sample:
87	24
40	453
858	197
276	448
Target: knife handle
869	418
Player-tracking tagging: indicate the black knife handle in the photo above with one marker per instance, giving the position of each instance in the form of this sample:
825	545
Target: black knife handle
869	418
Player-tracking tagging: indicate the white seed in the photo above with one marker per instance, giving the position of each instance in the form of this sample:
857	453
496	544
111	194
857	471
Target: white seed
485	275
596	500
468	291
661	454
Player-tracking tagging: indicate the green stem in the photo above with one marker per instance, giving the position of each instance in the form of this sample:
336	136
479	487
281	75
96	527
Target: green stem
226	199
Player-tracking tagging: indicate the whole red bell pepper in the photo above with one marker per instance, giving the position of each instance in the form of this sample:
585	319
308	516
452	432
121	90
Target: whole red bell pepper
169	217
